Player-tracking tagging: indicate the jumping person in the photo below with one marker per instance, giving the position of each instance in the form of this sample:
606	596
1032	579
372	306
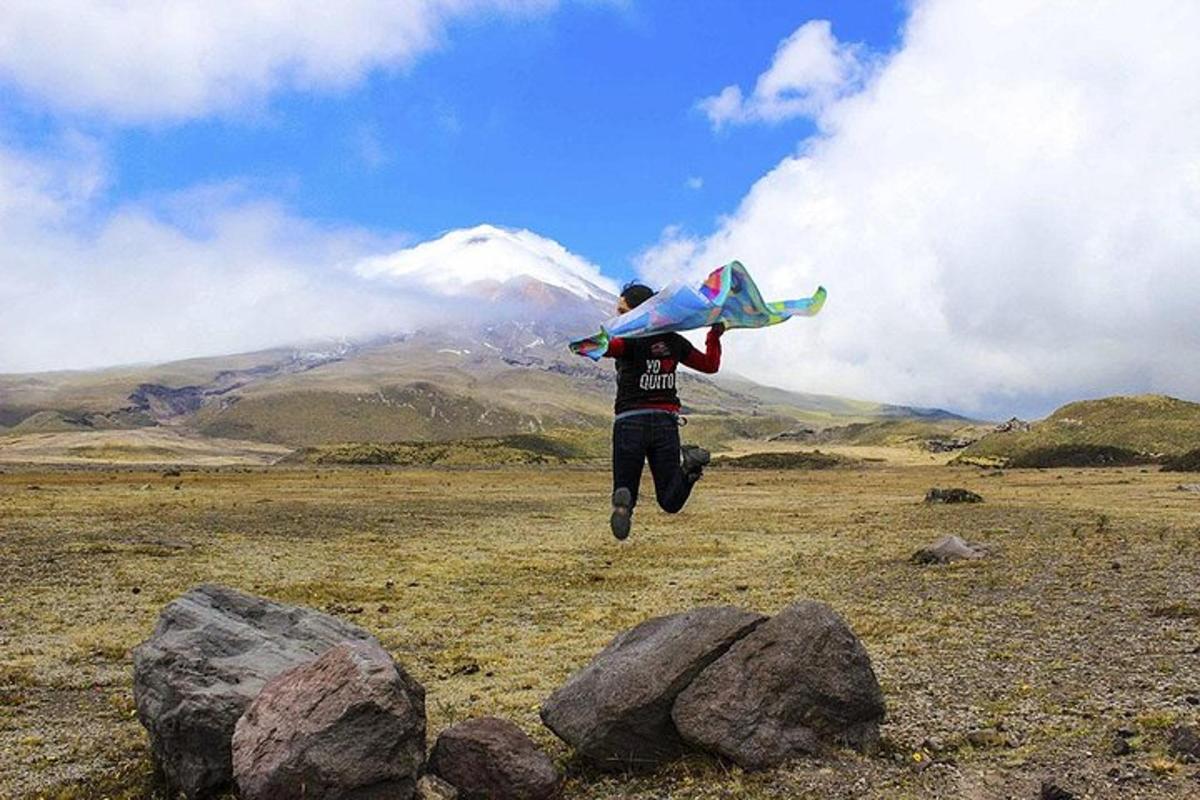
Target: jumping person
646	427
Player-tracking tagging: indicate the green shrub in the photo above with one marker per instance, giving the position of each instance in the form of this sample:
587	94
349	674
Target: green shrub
1079	455
1188	462
813	460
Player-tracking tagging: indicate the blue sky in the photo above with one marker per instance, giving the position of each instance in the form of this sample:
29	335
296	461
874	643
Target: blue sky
580	125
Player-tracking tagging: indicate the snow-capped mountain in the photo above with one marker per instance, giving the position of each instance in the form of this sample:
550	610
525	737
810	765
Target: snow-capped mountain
479	259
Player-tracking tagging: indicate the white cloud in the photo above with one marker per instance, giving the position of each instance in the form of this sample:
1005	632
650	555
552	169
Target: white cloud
144	61
210	271
1006	215
695	183
810	70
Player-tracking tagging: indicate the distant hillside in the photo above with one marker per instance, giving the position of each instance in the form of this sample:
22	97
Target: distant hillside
1145	425
498	380
498	365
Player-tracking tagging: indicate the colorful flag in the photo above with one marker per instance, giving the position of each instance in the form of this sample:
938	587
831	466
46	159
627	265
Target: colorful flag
728	295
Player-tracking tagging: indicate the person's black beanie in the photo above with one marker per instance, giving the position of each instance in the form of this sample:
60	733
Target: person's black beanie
636	293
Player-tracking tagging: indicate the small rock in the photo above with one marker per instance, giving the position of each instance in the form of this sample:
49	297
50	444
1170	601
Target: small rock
172	473
350	724
946	445
1188	487
948	549
1012	425
1185	741
1120	746
936	495
1052	791
933	745
431	787
493	759
986	737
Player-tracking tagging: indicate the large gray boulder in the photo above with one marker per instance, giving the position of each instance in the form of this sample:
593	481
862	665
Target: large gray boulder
492	759
348	726
211	652
616	711
798	683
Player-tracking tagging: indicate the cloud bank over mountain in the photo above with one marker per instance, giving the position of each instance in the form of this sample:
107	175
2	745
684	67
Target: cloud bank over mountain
208	271
1007	212
217	270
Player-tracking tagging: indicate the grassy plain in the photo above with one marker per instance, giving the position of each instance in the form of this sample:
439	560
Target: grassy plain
492	585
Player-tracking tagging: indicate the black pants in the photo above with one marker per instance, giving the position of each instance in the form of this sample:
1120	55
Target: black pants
652	437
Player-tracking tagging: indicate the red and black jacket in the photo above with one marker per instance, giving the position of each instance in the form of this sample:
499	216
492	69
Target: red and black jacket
646	368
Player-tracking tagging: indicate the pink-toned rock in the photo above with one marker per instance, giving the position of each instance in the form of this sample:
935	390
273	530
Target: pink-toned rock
616	711
492	759
350	724
796	684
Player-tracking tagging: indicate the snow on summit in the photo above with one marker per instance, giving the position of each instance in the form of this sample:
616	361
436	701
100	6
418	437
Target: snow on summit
455	261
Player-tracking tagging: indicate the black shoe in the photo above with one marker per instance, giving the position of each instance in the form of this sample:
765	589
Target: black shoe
694	460
622	513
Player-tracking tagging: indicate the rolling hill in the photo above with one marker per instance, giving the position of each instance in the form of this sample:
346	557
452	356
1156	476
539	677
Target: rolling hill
1147	427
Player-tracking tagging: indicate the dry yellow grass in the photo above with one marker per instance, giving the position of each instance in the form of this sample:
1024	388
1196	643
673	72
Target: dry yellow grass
147	446
1053	642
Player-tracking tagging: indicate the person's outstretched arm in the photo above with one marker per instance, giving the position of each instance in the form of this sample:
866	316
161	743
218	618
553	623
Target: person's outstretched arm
710	360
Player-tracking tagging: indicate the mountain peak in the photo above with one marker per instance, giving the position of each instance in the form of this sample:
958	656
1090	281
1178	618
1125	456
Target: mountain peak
468	259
